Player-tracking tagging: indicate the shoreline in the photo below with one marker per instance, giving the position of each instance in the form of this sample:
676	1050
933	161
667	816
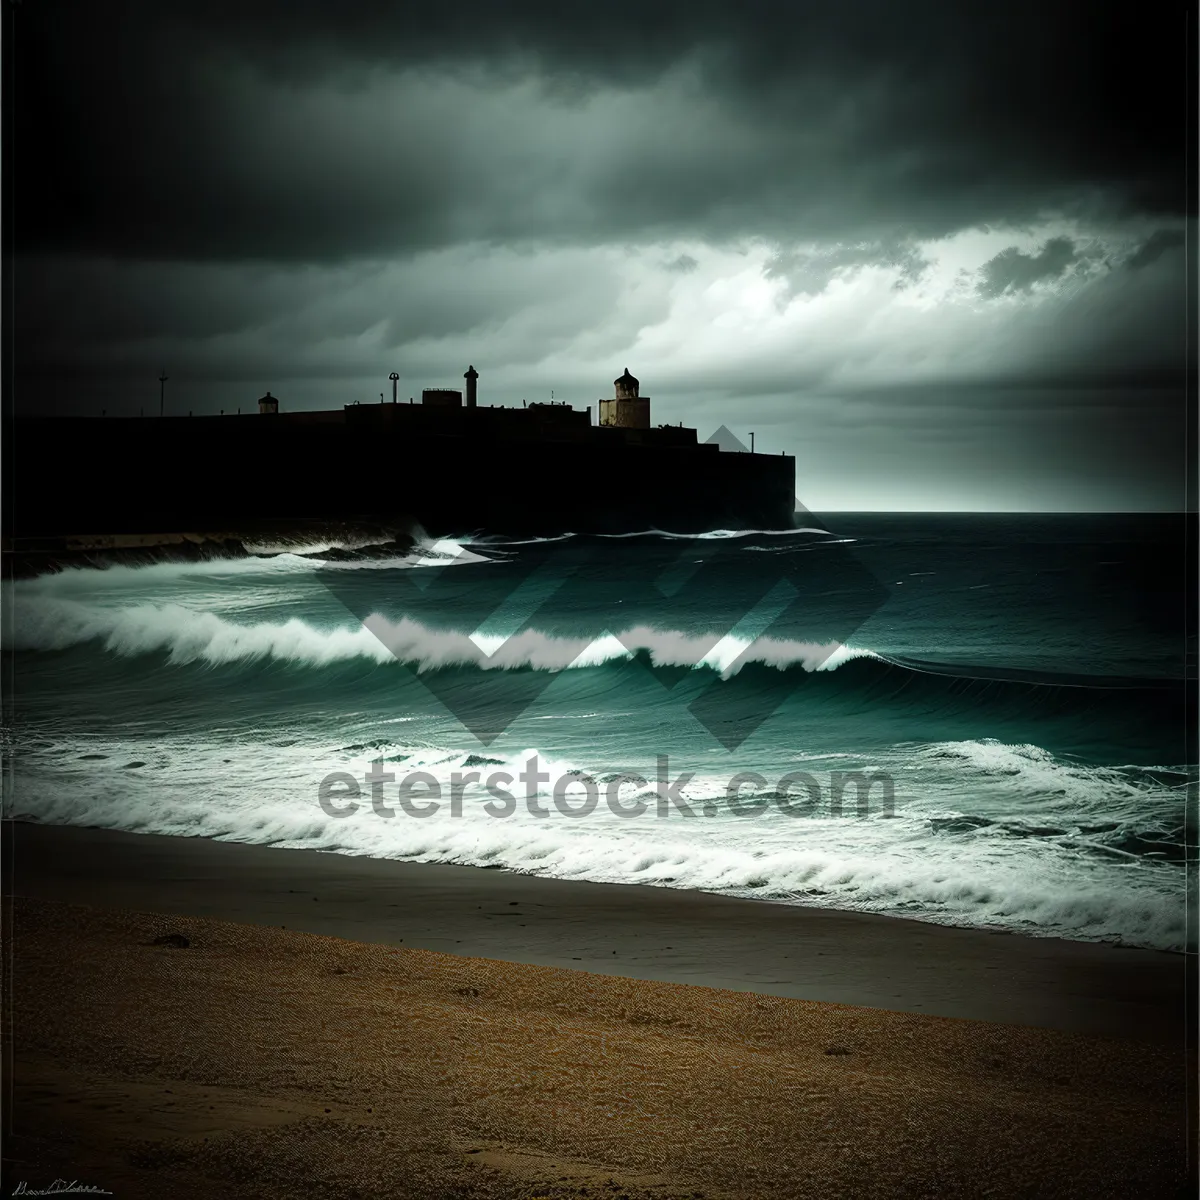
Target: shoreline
629	931
27	557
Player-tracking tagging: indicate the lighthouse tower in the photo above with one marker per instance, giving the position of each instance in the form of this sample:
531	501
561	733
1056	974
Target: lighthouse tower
627	409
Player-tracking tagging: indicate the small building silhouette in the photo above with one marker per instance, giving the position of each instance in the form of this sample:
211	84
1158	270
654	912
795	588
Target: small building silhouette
626	410
441	397
268	403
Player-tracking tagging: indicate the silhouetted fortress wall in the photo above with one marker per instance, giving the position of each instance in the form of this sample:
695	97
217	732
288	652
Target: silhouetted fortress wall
92	475
538	469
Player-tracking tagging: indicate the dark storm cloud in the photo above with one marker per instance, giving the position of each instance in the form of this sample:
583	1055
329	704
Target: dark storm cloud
573	307
1012	271
685	264
1154	247
309	130
1120	329
219	321
809	272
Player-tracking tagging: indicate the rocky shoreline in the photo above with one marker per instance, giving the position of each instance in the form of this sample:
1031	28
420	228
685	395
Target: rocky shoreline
26	557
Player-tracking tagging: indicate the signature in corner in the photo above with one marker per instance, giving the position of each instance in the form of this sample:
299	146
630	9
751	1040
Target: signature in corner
60	1187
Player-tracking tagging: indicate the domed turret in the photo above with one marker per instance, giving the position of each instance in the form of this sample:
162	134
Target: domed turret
627	409
268	403
627	386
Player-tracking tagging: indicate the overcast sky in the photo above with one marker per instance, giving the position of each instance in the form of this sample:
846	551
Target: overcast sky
936	251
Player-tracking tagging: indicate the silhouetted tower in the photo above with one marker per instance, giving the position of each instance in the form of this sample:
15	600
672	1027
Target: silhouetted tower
394	378
162	387
470	375
268	403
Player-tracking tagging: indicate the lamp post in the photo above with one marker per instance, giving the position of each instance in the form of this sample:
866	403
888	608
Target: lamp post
393	377
162	387
751	442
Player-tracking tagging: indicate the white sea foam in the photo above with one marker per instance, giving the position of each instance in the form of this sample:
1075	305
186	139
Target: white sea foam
719	534
893	865
188	635
269	560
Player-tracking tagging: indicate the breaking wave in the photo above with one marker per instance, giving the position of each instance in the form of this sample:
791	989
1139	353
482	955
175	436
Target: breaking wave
926	862
186	636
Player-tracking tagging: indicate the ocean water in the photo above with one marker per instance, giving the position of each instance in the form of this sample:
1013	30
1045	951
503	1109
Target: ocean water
1013	689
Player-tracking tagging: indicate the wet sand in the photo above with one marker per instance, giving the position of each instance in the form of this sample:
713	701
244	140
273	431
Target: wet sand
636	932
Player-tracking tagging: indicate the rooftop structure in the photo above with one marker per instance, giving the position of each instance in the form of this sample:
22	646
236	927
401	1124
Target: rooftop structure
626	410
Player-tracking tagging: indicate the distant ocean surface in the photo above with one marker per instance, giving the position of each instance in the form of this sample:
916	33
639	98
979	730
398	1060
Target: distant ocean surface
1022	681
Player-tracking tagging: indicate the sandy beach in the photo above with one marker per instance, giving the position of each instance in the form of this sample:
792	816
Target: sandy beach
264	1061
652	933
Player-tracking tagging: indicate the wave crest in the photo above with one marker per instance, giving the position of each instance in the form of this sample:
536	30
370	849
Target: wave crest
188	636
